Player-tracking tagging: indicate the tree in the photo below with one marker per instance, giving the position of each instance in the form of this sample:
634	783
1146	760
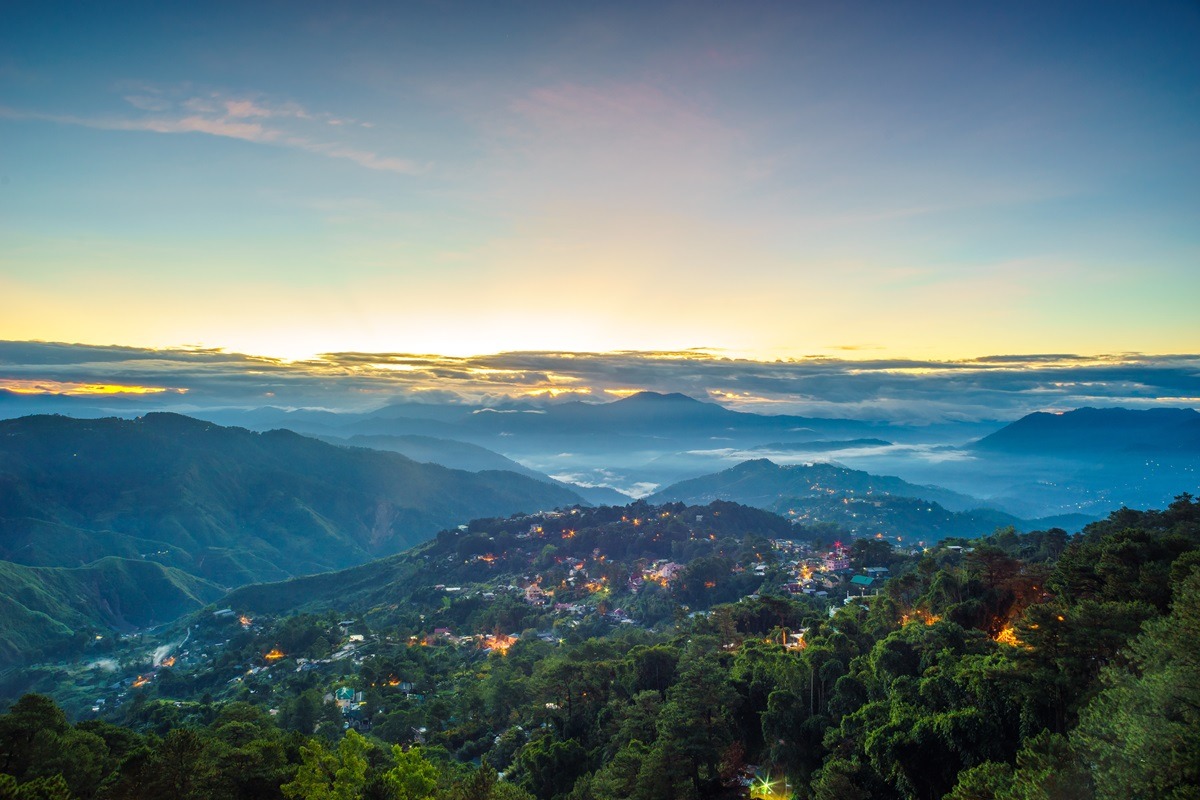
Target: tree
1141	735
479	785
551	767
652	667
327	776
29	734
413	777
696	718
1046	770
618	778
51	788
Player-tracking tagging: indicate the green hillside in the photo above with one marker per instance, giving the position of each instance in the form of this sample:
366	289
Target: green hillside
226	504
614	545
762	483
1012	666
45	611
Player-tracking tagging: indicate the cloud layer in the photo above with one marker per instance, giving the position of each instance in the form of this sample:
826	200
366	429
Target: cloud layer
987	388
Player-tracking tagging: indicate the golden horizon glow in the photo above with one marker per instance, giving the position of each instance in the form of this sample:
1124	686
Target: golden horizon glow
859	384
555	391
30	387
305	350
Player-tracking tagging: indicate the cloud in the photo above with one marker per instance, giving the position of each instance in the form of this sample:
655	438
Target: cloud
363	158
988	388
248	119
244	108
247	131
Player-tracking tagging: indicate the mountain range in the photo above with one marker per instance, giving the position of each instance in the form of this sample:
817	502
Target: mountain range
470	457
45	611
117	524
226	504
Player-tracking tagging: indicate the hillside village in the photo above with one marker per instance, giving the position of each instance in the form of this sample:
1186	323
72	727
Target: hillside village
484	587
506	637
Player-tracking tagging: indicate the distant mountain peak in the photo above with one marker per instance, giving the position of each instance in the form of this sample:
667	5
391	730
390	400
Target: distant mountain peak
1096	430
761	482
171	419
755	464
659	397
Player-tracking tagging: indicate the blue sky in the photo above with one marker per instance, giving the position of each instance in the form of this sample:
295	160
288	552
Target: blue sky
766	180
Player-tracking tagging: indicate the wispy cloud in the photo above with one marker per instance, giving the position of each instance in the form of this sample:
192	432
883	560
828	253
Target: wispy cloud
245	118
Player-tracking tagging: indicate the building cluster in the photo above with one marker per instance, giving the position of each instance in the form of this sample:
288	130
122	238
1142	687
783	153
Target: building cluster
821	573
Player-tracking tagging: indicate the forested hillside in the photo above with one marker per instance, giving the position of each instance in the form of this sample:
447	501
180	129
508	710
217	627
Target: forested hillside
226	504
1015	666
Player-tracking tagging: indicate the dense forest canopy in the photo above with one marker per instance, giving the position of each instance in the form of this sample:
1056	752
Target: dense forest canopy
1014	666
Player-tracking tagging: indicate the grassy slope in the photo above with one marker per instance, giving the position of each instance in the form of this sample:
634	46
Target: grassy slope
363	585
43	609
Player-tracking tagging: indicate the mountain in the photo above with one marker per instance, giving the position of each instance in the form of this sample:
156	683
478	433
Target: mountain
861	503
472	458
227	504
633	444
652	414
47	610
1087	432
914	521
762	483
573	555
641	416
433	450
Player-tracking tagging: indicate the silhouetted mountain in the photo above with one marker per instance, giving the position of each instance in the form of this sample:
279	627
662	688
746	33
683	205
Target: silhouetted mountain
645	414
650	413
862	503
432	450
472	458
911	519
1092	431
633	444
227	504
763	483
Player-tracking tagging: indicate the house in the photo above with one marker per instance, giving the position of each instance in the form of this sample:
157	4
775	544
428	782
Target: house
439	636
863	581
836	561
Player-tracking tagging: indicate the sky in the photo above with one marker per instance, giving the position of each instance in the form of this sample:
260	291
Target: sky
746	182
